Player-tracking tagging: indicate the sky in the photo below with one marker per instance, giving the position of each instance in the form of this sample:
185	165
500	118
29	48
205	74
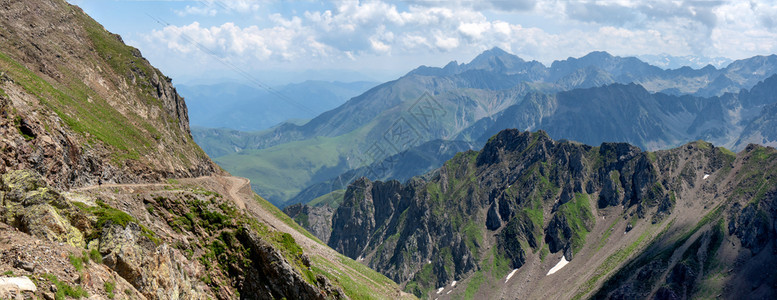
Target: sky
291	41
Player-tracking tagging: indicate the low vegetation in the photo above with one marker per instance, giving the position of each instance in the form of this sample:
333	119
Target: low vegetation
63	290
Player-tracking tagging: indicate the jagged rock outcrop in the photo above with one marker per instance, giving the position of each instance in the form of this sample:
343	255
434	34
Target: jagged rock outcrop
155	270
315	219
200	242
32	206
525	197
271	276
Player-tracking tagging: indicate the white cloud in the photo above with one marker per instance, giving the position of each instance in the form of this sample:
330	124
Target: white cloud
474	30
348	31
446	43
286	41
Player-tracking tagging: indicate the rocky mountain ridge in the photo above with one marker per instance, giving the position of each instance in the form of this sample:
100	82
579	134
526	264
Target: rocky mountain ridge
616	112
525	202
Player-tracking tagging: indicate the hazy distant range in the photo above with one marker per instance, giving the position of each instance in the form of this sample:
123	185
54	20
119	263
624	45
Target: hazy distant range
249	107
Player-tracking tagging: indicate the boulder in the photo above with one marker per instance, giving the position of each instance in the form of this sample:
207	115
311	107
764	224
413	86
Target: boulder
45	222
157	272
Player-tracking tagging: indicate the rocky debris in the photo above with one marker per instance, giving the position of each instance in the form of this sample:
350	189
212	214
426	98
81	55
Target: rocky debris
48	265
233	252
727	258
41	211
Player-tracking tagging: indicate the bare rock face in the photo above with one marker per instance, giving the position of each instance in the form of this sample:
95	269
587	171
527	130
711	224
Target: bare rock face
315	219
156	271
37	209
355	221
272	277
41	211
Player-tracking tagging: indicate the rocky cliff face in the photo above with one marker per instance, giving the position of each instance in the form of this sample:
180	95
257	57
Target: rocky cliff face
525	198
79	106
315	219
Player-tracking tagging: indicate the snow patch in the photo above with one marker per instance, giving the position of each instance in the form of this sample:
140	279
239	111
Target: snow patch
563	262
706	175
510	275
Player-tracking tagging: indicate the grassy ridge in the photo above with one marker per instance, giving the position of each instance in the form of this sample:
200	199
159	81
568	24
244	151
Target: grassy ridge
85	111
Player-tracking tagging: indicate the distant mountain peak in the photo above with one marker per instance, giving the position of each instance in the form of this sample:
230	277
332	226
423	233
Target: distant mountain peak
597	54
495	53
453	65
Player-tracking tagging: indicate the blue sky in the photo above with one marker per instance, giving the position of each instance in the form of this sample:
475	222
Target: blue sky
291	41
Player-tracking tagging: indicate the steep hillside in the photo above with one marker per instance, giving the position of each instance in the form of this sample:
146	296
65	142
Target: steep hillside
402	166
191	238
80	106
103	193
494	223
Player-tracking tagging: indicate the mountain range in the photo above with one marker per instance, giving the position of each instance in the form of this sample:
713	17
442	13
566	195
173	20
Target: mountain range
540	218
646	105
